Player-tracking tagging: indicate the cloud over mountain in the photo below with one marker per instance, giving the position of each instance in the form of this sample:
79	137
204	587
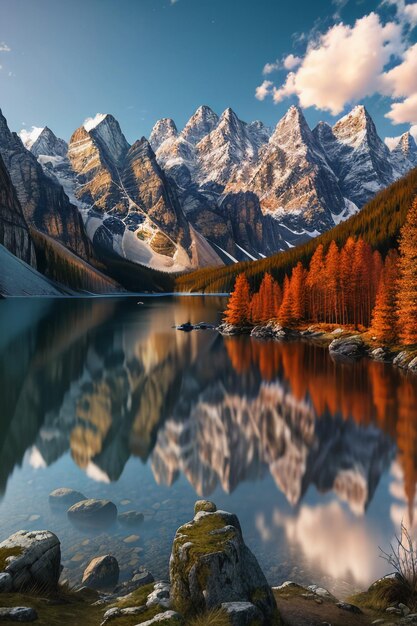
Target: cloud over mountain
347	63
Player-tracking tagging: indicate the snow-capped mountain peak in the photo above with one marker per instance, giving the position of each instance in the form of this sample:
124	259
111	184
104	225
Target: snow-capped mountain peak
29	137
107	131
92	122
200	124
164	129
49	144
406	146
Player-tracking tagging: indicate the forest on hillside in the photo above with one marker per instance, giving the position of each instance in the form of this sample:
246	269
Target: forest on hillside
350	285
378	224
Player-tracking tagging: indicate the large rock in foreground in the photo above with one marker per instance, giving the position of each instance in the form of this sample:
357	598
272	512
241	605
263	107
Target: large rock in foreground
102	573
211	565
31	559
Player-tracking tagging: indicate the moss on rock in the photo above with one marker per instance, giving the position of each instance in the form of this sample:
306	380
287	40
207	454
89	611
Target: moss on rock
6	553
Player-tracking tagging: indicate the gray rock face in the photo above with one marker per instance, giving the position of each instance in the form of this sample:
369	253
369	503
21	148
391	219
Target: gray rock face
93	513
64	498
348	347
404	155
14	231
48	143
359	157
18	614
32	559
44	204
101	573
242	613
211	565
6	583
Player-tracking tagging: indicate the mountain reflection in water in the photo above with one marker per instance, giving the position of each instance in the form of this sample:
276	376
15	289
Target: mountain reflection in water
109	380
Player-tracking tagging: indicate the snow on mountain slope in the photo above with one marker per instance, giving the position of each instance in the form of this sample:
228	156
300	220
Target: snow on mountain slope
293	180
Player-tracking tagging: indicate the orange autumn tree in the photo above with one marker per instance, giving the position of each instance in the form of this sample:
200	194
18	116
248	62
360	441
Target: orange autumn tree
268	299
238	308
314	282
407	284
384	313
297	293
285	310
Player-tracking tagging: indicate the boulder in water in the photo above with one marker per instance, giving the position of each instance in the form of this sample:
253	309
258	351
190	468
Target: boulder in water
90	514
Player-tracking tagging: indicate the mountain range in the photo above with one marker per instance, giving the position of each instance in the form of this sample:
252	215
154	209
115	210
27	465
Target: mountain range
218	191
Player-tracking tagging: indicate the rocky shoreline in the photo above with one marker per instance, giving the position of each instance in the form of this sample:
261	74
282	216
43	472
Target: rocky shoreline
215	580
343	344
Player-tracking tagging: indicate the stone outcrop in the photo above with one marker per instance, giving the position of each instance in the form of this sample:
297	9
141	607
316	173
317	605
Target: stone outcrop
211	565
102	573
348	347
31	559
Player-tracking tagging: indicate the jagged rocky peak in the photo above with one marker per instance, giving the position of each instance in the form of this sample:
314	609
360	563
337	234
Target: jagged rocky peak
164	129
406	147
292	131
259	132
355	127
49	144
106	129
200	124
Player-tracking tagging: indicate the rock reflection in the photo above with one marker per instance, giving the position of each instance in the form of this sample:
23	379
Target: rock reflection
107	380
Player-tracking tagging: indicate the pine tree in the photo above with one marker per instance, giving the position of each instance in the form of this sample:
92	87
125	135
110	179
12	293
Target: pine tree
270	298
256	309
238	308
298	293
384	313
285	310
315	284
347	285
331	276
407	284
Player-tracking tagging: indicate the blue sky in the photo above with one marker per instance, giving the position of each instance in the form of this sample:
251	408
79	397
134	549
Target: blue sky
145	59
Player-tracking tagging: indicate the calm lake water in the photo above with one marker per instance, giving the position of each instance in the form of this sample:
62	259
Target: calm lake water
318	459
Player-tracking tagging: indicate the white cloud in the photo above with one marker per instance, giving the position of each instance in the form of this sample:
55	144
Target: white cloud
401	80
406	12
271	67
413	131
344	64
288	63
291	61
404	112
30	136
92	122
263	90
4	47
392	142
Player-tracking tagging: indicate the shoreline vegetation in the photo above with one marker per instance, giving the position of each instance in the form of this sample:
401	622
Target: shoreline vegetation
361	303
214	580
